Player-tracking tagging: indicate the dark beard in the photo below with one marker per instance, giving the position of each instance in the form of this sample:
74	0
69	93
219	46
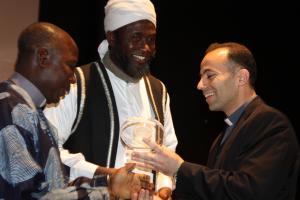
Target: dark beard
131	70
124	63
137	73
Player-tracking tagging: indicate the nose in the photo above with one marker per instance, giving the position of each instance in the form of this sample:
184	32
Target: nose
200	85
146	46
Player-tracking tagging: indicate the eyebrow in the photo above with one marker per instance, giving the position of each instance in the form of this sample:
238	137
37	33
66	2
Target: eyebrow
203	72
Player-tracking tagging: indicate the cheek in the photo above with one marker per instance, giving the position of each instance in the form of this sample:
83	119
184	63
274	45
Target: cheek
67	73
228	90
57	82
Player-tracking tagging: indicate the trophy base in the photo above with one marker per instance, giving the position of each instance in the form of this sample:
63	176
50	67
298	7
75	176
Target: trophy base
138	169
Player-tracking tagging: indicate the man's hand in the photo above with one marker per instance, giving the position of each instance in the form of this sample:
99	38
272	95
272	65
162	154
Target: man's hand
125	184
80	180
160	159
104	171
164	193
142	195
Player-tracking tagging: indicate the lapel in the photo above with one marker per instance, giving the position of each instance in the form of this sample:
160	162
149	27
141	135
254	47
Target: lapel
212	158
233	138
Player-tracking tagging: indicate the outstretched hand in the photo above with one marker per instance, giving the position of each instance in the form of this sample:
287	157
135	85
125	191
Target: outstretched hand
160	159
164	193
125	184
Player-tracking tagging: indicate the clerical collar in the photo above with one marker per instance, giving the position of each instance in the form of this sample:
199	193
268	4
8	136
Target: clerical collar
108	63
38	98
228	121
234	117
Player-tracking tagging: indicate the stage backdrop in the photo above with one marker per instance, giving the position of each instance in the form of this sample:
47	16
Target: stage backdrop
14	16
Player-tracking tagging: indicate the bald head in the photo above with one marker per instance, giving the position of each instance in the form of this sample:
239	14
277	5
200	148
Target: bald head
39	35
47	57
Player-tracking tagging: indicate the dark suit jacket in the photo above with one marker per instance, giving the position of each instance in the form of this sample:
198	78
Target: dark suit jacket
259	161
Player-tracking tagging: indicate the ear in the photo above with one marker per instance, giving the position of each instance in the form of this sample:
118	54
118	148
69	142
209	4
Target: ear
243	76
42	56
111	38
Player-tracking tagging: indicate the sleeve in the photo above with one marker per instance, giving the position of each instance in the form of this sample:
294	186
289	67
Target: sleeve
170	141
19	172
264	163
78	165
62	117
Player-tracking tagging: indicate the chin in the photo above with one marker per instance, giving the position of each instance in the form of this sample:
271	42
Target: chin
139	73
211	107
53	101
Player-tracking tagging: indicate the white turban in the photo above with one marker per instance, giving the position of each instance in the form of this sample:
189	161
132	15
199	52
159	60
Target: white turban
119	13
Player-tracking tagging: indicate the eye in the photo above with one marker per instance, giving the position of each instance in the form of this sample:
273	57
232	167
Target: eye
211	76
136	37
151	40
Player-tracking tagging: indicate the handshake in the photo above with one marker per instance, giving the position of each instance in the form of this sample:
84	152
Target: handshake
122	183
125	184
108	183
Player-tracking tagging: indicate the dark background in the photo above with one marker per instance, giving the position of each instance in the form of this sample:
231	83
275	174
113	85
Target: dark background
185	29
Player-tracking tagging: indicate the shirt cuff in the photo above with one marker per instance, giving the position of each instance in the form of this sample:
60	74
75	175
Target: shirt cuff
82	168
163	181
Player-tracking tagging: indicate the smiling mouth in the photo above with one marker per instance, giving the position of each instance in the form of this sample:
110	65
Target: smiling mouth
140	58
208	94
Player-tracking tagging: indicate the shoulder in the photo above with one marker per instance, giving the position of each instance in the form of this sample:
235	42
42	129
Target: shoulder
88	66
154	79
156	83
8	98
265	113
262	120
15	110
86	72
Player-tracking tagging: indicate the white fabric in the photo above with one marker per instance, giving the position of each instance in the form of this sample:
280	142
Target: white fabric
103	48
78	165
131	100
62	118
63	115
122	12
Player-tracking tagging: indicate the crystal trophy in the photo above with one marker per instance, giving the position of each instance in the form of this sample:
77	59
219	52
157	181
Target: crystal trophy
133	131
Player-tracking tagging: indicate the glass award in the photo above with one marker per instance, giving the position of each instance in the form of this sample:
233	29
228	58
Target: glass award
133	131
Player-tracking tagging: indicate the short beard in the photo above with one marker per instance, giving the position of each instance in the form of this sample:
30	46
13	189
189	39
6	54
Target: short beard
138	73
123	62
133	71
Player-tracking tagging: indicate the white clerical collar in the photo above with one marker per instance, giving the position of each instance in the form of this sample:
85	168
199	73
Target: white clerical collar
228	122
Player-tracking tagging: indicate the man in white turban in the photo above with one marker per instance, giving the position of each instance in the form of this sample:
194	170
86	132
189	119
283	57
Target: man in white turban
119	13
113	90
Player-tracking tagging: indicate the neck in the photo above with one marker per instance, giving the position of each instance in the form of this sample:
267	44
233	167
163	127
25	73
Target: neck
241	99
111	66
